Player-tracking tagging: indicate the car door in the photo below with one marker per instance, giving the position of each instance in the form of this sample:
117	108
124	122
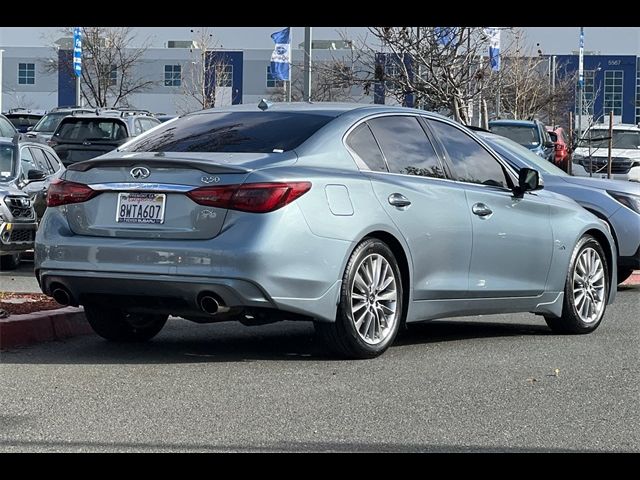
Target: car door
512	237
429	210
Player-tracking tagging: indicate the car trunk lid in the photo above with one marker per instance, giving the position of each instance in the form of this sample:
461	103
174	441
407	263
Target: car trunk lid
146	195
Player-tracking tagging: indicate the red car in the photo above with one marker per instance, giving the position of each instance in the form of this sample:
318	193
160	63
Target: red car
561	141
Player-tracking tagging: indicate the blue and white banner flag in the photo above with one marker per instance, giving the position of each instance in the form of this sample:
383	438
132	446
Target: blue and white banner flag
494	47
281	56
77	51
581	59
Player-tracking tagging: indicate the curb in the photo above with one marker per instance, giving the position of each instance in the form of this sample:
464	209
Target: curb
43	326
634	279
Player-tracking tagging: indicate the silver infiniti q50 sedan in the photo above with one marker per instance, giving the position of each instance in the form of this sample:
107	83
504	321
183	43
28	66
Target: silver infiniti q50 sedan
357	217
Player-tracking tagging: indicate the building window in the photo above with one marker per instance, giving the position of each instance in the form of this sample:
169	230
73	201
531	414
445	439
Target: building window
587	94
273	82
26	73
113	76
224	75
172	75
392	73
613	92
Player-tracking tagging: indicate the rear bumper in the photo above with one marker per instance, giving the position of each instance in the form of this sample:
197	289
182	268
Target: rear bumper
178	295
632	261
253	263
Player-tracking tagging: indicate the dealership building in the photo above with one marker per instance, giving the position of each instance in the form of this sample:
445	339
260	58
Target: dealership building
34	77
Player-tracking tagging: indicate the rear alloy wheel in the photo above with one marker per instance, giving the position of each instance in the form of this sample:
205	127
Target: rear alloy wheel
117	326
370	309
624	273
9	262
586	290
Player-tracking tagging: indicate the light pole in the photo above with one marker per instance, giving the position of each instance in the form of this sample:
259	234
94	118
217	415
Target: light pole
307	64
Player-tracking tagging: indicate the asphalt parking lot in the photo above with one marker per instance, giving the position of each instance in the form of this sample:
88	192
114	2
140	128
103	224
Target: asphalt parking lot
493	383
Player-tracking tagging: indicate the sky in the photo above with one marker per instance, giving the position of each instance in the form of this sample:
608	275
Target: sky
550	40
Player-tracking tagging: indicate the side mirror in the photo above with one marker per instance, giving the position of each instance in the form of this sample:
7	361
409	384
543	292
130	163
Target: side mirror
29	129
33	175
549	144
528	180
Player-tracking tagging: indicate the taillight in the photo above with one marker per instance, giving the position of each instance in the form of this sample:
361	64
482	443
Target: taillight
62	192
250	197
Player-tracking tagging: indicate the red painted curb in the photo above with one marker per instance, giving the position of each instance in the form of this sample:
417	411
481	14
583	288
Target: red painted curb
44	326
634	279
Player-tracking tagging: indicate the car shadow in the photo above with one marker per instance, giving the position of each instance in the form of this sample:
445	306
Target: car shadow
439	331
268	447
184	342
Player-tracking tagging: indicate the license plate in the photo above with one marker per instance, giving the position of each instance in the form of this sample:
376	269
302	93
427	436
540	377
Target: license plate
136	207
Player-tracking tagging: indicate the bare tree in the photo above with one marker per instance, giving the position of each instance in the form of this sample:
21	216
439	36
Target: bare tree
109	65
444	68
205	75
526	90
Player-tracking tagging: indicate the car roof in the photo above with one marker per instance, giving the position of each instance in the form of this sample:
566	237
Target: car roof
333	109
513	122
85	116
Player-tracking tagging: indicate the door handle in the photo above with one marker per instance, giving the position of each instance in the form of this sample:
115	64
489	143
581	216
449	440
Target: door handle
399	200
481	210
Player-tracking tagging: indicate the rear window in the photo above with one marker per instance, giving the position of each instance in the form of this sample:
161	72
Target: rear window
23	120
50	122
242	132
523	134
554	136
80	129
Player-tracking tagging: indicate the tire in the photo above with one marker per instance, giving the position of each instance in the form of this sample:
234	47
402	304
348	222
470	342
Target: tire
378	315
586	290
624	273
117	326
9	262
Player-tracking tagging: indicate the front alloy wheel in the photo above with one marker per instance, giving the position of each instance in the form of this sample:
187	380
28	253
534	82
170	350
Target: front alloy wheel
586	290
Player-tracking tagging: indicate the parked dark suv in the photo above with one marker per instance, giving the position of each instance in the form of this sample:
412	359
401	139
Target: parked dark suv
531	134
81	137
42	131
24	118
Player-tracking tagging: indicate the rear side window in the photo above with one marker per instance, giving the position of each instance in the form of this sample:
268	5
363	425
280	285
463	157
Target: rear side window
80	129
472	163
54	163
249	132
41	161
50	122
148	123
406	146
361	141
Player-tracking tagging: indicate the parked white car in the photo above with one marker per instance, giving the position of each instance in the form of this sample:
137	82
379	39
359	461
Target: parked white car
591	155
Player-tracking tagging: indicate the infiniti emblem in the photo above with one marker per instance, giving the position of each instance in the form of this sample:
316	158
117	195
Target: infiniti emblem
140	172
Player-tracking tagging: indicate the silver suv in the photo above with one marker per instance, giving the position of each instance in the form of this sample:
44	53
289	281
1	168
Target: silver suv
26	168
590	158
